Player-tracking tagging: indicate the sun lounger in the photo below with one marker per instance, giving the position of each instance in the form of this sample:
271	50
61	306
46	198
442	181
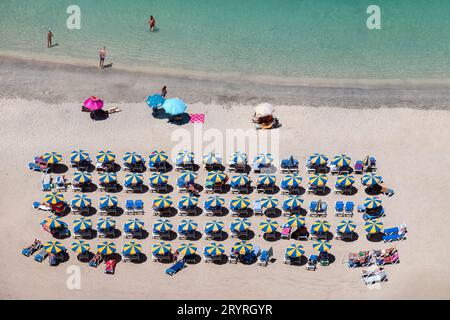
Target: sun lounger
263	259
257	209
131	257
344	236
110	266
132	234
289	165
37	245
349	206
373	215
311	265
286	232
207	258
395	234
138	207
176	267
106	233
38	206
233	258
41	255
390	256
129	206
359	167
339	209
373	276
77	234
286	259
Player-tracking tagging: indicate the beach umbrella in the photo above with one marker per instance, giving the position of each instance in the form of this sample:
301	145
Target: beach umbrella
214	202
373	226
105	156
240	202
321	226
291	180
106	248
106	223
163	225
161	248
243	247
155	101
187	249
82	177
341	160
79	155
295	250
184	157
158	156
240	180
187	176
318	180
158	178
318	159
346	226
238	157
80	246
162	201
240	224
267	179
217	177
132	158
93	103
370	179
108	177
53	222
345	180
295	221
372	202
54	247
188	201
54	198
132	248
211	158
81	201
52	157
187	225
133	178
214	226
322	245
108	201
214	249
268	226
292	202
174	106
269	202
82	224
263	109
134	224
264	159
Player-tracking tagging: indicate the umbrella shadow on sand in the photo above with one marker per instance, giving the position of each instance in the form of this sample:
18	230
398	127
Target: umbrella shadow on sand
179	120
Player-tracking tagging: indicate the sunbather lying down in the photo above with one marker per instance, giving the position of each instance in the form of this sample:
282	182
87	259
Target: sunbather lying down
35	244
113	110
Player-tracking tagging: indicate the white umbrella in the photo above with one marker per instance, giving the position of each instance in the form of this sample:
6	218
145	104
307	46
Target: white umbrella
264	109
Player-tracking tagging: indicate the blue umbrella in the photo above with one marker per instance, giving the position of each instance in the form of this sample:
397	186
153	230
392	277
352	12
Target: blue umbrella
174	106
155	101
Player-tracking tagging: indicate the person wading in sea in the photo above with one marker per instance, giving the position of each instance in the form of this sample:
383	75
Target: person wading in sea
49	38
151	23
102	55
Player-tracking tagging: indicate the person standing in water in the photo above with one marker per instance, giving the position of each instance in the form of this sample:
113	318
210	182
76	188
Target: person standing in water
102	55
49	38
151	23
164	91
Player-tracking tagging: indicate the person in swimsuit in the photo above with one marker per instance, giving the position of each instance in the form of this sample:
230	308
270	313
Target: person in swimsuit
49	38
151	23
164	91
102	56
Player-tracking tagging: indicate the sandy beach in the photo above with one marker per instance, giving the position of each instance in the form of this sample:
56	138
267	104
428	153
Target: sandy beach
406	128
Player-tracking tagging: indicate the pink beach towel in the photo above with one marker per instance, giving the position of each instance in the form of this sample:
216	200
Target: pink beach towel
197	118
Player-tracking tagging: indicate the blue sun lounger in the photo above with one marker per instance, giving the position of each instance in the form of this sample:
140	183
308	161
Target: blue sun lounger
339	208
176	267
41	255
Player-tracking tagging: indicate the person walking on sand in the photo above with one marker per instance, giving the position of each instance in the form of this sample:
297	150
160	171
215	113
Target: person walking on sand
102	55
164	91
49	38
151	23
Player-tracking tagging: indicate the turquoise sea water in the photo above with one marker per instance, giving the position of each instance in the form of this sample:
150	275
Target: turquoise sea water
324	39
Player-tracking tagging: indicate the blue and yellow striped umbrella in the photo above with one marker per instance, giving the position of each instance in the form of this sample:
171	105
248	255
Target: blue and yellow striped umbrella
292	202
132	158
318	180
240	180
243	247
269	202
188	201
373	226
52	157
53	222
214	249
80	246
268	226
134	224
54	198
214	226
370	179
79	155
345	180
211	158
163	225
240	202
82	177
158	156
132	248
321	226
341	160
240	224
134	178
158	178
322	245
291	180
108	201
82	224
217	177
372	202
161	248
295	250
238	157
295	221
214	202
187	225
187	249
108	177
318	159
54	247
81	201
187	176
106	223
106	248
267	179
105	156
264	159
346	226
162	201
184	157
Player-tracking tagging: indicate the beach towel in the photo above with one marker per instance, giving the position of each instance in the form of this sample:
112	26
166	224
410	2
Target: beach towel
197	118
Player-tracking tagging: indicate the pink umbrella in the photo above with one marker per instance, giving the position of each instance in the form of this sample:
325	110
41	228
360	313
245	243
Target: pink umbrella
93	103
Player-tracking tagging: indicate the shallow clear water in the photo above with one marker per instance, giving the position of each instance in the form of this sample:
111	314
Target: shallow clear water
269	38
